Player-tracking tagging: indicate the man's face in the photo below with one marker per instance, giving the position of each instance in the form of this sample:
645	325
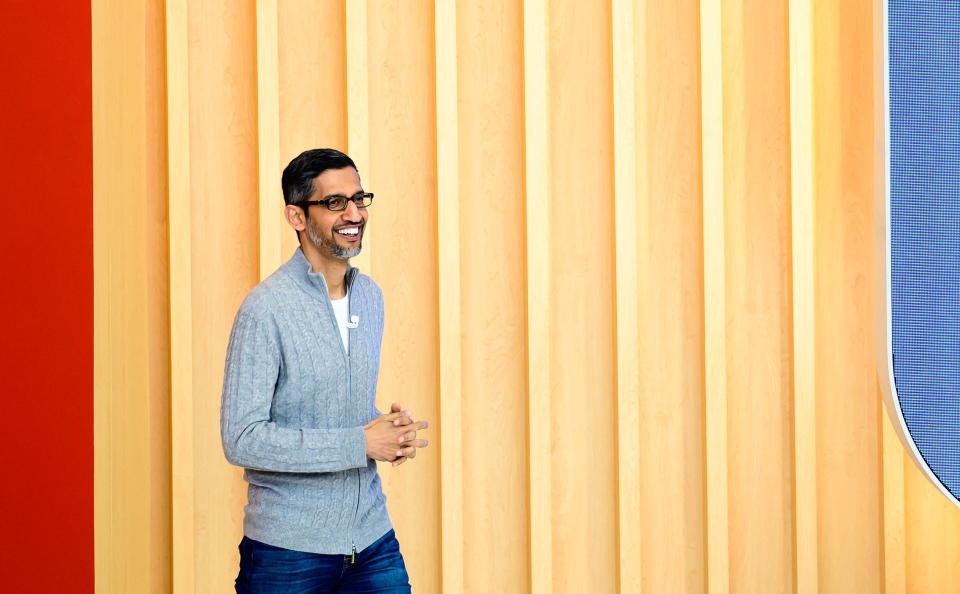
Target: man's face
337	234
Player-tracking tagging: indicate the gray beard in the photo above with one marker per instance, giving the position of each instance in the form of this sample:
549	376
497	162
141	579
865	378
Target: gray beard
330	246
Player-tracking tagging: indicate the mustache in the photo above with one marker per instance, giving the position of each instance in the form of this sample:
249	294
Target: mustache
361	224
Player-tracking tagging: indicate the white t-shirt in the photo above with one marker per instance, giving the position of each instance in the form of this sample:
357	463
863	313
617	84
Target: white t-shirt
341	308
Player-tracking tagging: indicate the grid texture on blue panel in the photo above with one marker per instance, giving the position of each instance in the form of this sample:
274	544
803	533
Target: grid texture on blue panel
924	99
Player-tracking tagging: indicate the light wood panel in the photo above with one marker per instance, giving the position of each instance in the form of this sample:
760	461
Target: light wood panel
313	97
358	106
183	507
627	169
848	413
894	537
538	188
713	172
448	268
894	562
625	250
494	507
131	338
582	356
403	162
802	180
757	254
670	304
931	527
270	226
220	230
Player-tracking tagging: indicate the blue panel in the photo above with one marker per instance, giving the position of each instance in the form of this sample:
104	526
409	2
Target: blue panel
924	52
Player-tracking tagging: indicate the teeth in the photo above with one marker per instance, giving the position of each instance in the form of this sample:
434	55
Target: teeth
350	231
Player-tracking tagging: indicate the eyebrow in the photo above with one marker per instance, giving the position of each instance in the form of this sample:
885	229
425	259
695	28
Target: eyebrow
328	197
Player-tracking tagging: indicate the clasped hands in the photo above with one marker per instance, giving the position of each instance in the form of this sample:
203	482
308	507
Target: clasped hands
393	437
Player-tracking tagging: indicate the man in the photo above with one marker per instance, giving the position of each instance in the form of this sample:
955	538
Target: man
298	399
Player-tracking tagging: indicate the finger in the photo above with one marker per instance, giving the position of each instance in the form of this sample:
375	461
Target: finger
416	426
407	437
415	443
406	419
396	407
387	418
398	461
407	452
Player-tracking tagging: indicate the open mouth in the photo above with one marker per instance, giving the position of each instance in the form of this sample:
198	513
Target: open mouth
350	232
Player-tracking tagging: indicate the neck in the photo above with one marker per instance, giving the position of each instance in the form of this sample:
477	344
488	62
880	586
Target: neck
334	270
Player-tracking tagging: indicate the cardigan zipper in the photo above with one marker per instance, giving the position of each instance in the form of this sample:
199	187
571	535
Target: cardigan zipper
351	275
356	511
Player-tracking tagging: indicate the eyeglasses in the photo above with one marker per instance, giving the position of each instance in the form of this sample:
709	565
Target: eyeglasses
337	203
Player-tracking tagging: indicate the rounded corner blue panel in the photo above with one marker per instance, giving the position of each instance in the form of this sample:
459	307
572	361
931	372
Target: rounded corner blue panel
923	49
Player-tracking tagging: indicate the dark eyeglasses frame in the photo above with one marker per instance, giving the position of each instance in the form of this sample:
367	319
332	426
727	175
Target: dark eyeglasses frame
362	200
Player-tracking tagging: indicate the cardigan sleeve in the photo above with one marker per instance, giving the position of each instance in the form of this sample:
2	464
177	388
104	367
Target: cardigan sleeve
250	438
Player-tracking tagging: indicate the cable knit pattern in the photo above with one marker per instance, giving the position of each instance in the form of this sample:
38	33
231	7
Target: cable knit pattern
293	410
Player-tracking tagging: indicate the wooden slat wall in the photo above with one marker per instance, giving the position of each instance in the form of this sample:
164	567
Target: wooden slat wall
626	253
847	428
495	540
538	187
132	478
713	225
757	257
804	306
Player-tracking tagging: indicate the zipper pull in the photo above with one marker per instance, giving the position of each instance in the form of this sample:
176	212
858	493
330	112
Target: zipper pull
353	555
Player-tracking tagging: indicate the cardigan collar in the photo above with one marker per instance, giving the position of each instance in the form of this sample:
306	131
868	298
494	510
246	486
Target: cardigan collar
315	281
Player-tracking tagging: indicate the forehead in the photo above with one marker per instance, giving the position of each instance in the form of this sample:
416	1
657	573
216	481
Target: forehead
345	182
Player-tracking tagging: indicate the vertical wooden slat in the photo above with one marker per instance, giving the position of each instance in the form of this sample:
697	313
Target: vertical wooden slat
714	295
850	536
670	298
217	267
403	162
131	434
312	96
493	326
627	169
757	265
271	221
802	235
583	343
181	307
158	281
894	561
931	526
448	243
539	298
894	577
358	110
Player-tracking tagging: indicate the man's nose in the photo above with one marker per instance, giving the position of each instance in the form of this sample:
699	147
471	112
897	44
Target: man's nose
352	212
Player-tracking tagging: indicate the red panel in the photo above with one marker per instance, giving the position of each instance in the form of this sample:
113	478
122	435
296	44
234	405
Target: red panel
46	298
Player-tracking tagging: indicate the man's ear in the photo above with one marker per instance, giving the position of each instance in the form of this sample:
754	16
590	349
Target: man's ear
295	216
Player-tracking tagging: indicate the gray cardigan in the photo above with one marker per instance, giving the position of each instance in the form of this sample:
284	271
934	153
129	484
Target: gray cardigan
293	409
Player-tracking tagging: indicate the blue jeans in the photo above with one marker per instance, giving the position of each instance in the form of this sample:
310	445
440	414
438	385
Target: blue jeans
268	569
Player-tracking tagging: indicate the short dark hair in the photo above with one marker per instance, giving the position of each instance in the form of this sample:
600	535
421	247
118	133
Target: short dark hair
298	175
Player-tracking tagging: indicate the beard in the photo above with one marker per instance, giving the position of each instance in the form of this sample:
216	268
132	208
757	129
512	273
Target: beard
329	245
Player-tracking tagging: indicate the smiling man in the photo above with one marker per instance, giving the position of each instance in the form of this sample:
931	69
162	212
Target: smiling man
297	411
